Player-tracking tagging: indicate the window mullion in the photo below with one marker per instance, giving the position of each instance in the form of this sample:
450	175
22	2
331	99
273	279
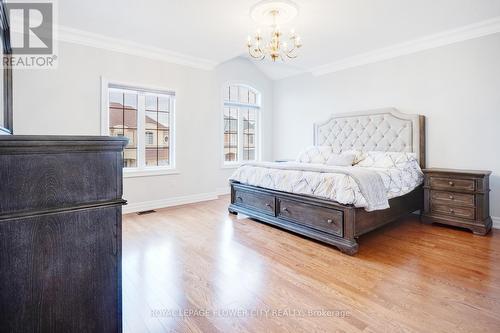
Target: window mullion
141	129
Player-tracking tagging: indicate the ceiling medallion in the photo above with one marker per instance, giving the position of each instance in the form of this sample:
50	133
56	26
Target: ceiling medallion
272	14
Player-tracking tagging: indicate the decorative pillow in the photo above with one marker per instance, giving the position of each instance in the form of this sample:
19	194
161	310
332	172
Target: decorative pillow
343	159
382	159
327	155
316	154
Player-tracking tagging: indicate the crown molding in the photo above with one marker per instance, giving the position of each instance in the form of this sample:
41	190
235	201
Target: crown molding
85	38
467	32
80	37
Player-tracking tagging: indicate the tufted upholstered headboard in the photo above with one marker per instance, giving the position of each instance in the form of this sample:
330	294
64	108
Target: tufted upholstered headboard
380	130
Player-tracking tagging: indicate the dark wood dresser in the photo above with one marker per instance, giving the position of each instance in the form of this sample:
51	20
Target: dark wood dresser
459	198
60	233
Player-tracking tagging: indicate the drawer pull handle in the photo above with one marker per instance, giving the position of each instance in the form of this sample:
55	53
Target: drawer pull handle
452	211
329	221
268	205
451	183
452	197
285	209
239	198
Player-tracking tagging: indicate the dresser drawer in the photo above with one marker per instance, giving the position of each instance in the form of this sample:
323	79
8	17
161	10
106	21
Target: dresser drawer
262	202
452	198
463	212
317	217
452	183
35	182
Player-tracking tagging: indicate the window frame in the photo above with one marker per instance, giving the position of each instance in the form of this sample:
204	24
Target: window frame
258	133
141	169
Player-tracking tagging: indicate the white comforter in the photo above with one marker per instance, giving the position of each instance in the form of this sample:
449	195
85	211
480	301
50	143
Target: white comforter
327	182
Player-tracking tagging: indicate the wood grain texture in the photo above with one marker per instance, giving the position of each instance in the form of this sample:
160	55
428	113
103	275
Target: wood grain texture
60	234
261	202
324	219
407	276
59	272
46	181
458	198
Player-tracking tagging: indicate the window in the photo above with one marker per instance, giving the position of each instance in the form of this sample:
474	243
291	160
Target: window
149	138
241	114
132	111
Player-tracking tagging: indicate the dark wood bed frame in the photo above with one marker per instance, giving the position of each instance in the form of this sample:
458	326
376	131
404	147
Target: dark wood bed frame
326	220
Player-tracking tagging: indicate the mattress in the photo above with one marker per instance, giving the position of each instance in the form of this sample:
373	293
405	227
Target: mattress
322	183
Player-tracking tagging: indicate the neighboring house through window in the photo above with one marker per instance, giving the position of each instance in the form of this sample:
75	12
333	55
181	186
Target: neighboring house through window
132	111
241	121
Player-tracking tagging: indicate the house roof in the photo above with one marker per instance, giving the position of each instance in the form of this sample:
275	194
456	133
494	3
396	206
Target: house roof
119	116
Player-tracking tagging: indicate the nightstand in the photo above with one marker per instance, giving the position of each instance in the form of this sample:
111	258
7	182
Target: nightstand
457	197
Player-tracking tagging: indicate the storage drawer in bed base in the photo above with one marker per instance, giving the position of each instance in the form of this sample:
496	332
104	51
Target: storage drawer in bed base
323	220
313	218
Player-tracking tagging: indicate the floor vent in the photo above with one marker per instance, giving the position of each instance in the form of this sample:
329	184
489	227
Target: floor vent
146	212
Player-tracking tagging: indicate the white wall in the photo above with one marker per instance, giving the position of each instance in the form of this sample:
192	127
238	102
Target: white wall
457	87
67	101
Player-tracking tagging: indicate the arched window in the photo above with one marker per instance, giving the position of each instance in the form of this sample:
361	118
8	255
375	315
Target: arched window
241	121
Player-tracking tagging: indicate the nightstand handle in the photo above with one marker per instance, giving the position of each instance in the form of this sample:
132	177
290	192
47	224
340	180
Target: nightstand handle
451	183
329	221
452	211
451	197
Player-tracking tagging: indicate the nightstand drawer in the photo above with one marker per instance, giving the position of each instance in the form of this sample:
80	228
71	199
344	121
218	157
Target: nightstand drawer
452	183
452	198
462	212
458	197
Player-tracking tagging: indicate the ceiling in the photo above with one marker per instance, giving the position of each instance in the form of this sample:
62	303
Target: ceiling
216	30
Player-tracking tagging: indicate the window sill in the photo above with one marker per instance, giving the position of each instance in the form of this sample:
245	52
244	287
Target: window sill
131	173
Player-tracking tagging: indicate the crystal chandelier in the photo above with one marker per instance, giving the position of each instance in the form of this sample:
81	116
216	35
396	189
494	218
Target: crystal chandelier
273	13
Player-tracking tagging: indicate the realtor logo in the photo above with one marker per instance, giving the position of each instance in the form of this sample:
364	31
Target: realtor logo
31	34
34	20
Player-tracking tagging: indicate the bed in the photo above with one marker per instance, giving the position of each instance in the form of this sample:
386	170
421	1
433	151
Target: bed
325	218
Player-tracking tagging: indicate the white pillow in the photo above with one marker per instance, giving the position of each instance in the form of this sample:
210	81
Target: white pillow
382	159
343	159
315	154
328	155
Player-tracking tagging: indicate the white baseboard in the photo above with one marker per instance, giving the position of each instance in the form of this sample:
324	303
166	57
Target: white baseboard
162	203
496	222
176	201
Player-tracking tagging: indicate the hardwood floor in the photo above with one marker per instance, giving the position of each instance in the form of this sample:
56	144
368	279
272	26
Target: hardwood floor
230	274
